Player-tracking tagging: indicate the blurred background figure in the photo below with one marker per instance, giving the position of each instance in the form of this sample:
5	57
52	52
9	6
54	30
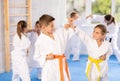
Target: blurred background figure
33	35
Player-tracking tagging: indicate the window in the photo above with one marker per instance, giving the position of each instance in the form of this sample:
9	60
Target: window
75	5
101	7
117	11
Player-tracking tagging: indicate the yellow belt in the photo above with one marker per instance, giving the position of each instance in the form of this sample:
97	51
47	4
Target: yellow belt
96	62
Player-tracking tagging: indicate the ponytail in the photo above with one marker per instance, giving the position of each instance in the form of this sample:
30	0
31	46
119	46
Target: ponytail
109	18
20	27
113	20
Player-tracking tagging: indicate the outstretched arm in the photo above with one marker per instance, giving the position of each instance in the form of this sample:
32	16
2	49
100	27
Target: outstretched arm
38	54
96	18
83	36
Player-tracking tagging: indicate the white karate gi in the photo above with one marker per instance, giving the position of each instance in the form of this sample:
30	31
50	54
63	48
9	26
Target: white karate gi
113	30
95	52
18	56
31	62
73	45
44	46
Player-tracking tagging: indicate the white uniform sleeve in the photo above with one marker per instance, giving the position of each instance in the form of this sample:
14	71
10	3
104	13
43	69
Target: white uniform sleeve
16	41
79	22
22	43
98	18
67	33
83	36
109	53
25	43
38	56
70	33
112	29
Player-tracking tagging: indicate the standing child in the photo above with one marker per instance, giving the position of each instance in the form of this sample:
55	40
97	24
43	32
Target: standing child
109	21
49	50
73	45
99	51
33	35
19	62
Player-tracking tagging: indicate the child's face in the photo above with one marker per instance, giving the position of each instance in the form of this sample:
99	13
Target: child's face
50	27
37	27
97	34
76	17
25	29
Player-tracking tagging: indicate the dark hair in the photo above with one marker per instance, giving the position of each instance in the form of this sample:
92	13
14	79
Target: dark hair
73	14
102	27
20	27
37	22
45	20
110	18
113	20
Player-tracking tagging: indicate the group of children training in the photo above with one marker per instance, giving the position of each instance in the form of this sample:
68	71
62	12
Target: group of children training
44	48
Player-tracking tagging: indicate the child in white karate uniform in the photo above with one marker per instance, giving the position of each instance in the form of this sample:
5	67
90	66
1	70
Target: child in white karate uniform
49	50
109	21
99	51
73	45
21	44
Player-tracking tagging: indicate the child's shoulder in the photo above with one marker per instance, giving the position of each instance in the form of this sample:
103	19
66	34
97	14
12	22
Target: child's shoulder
39	40
40	37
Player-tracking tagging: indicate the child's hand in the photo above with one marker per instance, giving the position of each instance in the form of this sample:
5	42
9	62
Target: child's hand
49	57
73	27
67	26
89	16
103	57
